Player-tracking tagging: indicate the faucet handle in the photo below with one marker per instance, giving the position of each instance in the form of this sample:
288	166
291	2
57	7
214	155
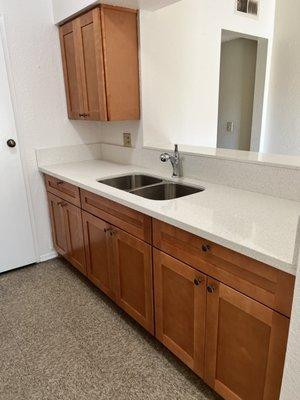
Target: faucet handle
176	148
164	157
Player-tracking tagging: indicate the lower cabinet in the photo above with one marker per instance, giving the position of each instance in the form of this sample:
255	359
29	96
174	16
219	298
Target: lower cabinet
180	302
98	249
134	288
235	343
245	345
121	266
66	221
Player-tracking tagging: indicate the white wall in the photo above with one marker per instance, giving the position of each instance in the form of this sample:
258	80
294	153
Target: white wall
63	9
283	121
180	60
40	103
237	82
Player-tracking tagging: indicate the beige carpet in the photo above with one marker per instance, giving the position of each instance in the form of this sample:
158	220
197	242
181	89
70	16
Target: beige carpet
60	338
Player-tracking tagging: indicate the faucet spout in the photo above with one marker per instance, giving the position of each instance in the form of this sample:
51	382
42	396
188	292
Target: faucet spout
174	160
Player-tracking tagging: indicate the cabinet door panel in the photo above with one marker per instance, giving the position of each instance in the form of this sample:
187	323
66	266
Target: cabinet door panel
120	37
180	302
133	261
89	41
98	253
245	345
71	69
58	224
75	254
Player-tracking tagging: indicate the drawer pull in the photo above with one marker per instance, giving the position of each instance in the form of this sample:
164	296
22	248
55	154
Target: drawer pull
205	248
197	281
210	289
59	183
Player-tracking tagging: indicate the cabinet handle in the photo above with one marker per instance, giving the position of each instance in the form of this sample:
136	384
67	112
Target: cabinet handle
197	281
84	115
62	204
59	183
205	248
210	289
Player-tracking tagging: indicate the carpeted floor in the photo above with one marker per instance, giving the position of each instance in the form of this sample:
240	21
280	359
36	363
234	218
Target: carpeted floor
60	338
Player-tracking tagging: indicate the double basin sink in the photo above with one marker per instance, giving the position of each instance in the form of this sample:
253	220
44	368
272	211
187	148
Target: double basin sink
151	187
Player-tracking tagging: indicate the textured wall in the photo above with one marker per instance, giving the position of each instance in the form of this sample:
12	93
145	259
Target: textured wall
39	99
283	122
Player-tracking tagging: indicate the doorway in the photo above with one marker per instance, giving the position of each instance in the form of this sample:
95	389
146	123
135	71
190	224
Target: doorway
16	235
242	90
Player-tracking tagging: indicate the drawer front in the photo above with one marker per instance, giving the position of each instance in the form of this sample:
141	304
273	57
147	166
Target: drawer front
63	190
131	221
263	283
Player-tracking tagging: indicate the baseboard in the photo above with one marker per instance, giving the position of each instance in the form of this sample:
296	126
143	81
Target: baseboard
48	256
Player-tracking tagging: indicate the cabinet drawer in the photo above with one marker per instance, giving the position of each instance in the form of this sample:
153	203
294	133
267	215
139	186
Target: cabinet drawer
129	220
63	190
266	284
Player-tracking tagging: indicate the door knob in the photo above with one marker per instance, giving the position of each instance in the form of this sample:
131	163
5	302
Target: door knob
11	143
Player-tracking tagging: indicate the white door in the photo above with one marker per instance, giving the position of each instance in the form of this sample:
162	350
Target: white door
16	237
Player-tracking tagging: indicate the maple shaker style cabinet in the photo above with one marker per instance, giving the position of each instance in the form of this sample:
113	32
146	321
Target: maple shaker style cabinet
101	66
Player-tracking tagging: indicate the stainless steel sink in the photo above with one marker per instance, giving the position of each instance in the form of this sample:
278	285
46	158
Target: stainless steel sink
167	191
151	187
131	182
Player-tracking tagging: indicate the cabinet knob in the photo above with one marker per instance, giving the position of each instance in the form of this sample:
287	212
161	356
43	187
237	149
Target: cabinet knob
11	143
210	289
197	281
205	248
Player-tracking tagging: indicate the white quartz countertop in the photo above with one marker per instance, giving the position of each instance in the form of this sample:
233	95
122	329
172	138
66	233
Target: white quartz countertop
259	226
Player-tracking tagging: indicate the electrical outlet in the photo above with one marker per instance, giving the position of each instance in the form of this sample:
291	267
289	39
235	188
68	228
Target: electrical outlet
230	127
127	140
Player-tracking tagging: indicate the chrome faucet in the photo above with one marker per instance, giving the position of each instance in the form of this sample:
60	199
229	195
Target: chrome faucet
174	160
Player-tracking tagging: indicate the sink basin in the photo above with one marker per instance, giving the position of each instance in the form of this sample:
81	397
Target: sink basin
131	182
167	191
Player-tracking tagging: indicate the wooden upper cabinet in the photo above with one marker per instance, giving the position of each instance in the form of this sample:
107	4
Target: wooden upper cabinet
100	62
71	69
180	302
120	42
245	345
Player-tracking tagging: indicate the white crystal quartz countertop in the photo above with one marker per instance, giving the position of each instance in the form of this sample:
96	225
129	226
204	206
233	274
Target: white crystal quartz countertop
262	227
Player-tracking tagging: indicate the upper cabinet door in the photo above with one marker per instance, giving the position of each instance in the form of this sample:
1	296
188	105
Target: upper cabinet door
120	42
245	345
90	53
71	67
180	302
101	68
